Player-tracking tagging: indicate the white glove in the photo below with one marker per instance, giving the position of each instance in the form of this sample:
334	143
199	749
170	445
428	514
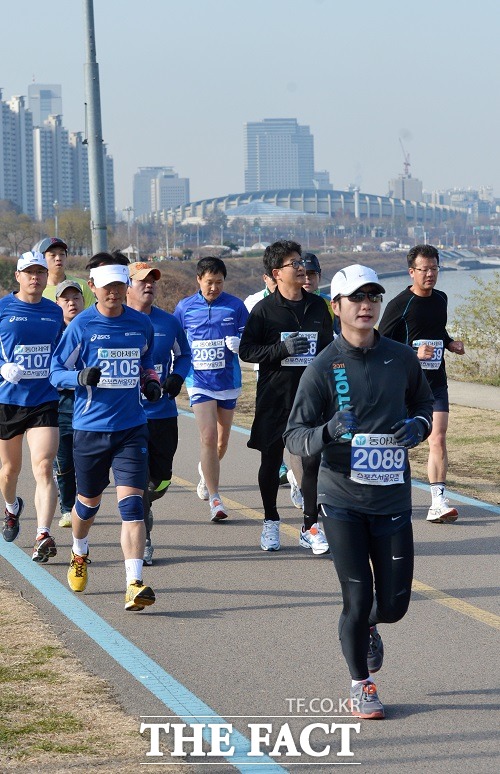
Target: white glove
233	343
12	372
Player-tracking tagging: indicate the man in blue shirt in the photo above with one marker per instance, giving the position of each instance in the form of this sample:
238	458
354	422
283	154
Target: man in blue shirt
213	321
172	360
106	355
30	326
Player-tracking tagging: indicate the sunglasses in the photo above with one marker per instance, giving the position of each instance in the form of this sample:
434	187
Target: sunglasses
293	264
358	297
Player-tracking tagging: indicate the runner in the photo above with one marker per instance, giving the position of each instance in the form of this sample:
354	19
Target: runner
106	356
69	297
283	334
418	317
55	252
361	403
213	321
30	327
172	358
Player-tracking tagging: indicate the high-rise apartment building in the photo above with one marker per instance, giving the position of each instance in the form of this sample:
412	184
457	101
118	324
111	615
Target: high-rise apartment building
44	100
279	153
158	188
52	162
16	154
406	187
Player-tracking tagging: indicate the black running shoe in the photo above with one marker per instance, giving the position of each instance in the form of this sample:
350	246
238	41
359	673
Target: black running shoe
10	529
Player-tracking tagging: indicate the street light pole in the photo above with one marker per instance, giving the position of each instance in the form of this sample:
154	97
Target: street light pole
56	218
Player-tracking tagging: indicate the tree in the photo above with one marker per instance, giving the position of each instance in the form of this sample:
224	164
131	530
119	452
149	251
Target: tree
18	232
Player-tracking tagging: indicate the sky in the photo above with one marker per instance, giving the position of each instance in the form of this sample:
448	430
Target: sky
180	79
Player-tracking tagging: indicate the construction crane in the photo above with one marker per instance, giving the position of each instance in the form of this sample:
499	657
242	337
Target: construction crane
406	157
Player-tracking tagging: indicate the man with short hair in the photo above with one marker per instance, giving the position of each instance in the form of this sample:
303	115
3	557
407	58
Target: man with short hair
360	404
417	317
283	334
213	321
69	297
172	360
30	327
55	252
106	356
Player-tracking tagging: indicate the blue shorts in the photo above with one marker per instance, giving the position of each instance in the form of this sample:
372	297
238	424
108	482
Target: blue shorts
377	526
224	404
441	401
124	451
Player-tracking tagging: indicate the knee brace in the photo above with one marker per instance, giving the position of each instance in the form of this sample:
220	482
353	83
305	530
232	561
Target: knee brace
155	491
131	508
85	512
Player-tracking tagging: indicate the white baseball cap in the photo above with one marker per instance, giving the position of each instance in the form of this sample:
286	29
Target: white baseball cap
31	258
350	279
104	275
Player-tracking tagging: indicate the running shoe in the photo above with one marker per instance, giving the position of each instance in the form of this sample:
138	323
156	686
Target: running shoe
315	539
375	651
270	537
45	547
201	489
283	472
77	573
217	510
148	553
295	493
65	520
365	702
10	529
138	596
442	513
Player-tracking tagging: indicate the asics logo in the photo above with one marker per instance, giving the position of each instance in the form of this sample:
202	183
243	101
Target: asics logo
96	336
18	319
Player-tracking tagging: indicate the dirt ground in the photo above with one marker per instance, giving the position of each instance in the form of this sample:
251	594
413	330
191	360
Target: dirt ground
72	720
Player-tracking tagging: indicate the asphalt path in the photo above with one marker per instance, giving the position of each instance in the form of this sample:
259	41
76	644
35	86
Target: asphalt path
250	633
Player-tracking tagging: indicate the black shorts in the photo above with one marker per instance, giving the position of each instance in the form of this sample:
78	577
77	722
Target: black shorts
15	420
163	440
441	400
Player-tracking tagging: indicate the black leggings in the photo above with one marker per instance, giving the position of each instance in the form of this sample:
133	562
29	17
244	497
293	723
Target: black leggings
387	542
269	478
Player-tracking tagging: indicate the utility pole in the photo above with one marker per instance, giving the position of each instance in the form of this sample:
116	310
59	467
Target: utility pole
94	136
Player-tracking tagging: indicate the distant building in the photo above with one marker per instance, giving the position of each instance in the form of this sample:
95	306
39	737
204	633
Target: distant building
158	188
279	153
16	154
52	164
406	187
321	181
44	100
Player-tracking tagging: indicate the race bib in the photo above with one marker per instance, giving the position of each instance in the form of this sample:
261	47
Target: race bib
305	359
208	354
376	459
119	367
34	358
435	361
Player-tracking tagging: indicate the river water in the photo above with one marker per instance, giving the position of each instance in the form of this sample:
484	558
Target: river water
456	285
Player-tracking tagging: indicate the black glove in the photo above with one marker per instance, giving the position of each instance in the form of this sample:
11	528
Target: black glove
296	344
151	389
409	432
172	385
342	422
88	377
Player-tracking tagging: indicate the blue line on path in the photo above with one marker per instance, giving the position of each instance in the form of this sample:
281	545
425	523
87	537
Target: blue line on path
417	484
188	707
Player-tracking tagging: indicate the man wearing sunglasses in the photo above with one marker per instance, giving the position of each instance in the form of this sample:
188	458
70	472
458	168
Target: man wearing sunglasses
417	317
283	334
361	403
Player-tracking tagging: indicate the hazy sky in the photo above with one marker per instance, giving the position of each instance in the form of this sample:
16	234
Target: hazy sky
180	79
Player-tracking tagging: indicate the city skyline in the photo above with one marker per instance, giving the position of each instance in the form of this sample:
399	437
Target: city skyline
177	88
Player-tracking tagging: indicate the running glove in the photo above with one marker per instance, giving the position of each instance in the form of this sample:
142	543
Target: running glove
150	385
296	344
409	432
342	422
88	377
172	385
12	372
233	343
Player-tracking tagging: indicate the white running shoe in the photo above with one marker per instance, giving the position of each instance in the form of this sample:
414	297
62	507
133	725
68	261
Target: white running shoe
443	513
270	537
217	510
295	493
148	553
201	489
315	539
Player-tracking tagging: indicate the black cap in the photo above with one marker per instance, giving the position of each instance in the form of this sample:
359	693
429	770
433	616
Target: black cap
311	262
